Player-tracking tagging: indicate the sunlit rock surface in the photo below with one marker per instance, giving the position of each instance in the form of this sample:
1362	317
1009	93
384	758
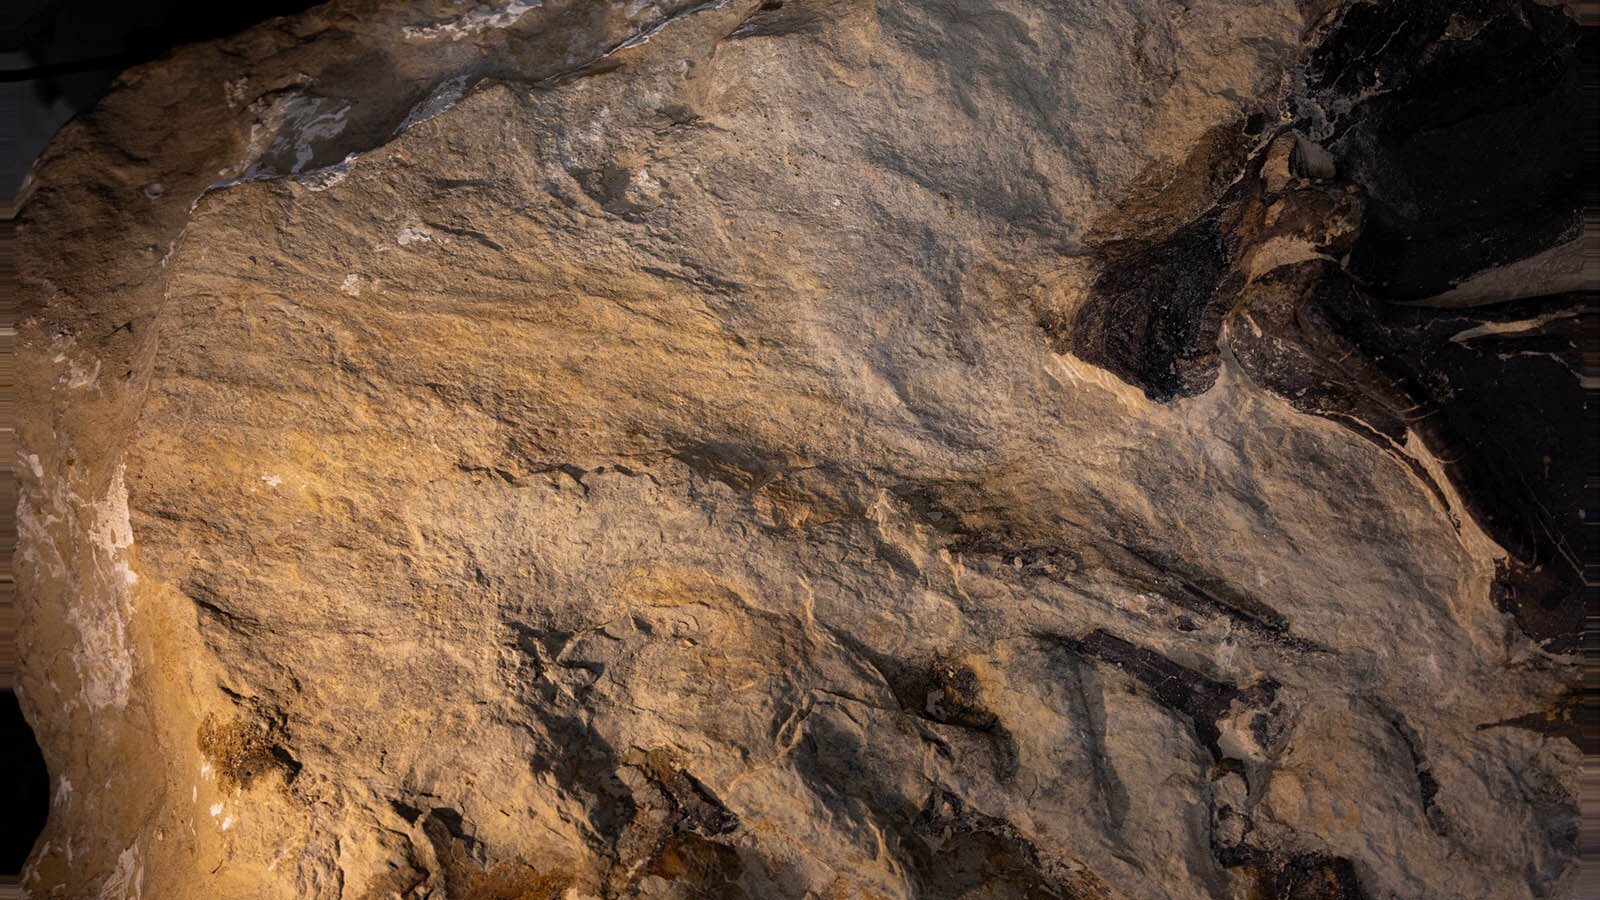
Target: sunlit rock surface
813	449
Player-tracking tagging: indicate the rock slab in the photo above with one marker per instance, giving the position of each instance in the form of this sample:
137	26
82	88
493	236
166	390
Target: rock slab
813	449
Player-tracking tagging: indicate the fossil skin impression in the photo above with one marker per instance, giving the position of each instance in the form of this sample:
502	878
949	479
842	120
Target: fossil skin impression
957	449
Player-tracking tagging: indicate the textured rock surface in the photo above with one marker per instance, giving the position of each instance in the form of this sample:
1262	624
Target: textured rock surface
951	449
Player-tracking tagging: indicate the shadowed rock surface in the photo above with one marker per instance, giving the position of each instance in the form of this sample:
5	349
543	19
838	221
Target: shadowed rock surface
803	449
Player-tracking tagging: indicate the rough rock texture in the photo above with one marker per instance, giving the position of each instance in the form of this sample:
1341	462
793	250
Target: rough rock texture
813	449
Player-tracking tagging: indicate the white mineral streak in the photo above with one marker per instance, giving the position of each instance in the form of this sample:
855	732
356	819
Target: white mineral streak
48	511
1504	329
412	234
445	95
475	21
126	881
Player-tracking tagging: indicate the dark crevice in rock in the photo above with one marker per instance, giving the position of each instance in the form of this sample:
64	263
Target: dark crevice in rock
1567	719
1164	198
778	19
1269	871
444	825
961	852
405	811
1200	699
1287	339
1467	135
1427	784
701	809
698	867
1194	590
1168	269
492	471
946	691
954	697
467	233
739	467
1302	876
1088	700
215	610
675	831
1151	318
977	525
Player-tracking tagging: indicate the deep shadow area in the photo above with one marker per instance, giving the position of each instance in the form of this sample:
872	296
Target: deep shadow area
78	46
58	57
24	783
1469	149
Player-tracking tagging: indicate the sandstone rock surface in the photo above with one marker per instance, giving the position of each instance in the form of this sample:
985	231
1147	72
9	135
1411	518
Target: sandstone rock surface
812	449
